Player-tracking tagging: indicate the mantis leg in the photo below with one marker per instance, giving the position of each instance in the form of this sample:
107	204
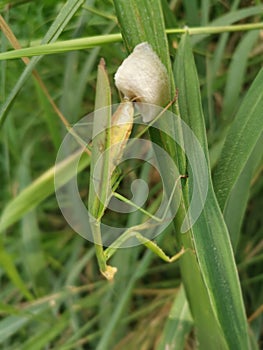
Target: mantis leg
157	250
157	219
134	232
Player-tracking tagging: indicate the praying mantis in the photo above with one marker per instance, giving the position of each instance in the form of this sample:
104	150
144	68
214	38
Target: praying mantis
110	136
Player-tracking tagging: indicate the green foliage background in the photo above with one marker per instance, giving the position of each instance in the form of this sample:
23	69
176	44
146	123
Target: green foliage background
52	295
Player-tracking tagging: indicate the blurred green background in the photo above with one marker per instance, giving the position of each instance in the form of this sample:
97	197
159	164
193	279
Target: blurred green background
52	294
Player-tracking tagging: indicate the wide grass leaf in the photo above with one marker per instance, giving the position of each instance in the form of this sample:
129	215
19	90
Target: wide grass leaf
211	240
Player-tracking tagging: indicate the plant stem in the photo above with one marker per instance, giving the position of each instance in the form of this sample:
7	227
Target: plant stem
95	226
215	29
94	41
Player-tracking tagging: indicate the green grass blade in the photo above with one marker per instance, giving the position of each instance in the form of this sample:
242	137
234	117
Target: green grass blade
94	41
10	325
7	263
49	116
178	324
230	18
100	179
211	240
122	300
40	189
216	62
64	16
153	32
236	204
34	261
191	11
241	139
62	46
236	73
39	310
46	335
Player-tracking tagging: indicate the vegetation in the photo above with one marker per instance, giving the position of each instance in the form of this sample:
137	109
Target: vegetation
53	295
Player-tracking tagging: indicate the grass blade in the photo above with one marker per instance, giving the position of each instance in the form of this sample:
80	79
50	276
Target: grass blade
7	263
40	189
178	324
100	143
241	139
64	16
236	204
230	18
236	73
211	240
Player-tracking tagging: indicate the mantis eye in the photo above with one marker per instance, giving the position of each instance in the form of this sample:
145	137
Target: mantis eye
143	77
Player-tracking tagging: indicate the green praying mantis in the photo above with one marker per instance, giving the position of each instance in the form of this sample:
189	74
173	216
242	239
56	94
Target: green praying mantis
110	136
